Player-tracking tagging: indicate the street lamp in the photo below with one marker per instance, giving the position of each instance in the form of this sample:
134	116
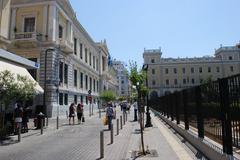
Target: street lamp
148	117
45	85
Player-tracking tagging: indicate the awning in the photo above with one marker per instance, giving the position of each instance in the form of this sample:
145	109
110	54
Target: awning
16	69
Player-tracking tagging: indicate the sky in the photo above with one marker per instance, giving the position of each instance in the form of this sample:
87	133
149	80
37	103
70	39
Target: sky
181	28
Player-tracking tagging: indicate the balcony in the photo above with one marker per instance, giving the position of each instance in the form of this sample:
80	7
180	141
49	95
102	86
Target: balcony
66	45
26	36
27	39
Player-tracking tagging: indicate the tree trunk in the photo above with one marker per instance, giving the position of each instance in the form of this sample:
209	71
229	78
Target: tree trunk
141	125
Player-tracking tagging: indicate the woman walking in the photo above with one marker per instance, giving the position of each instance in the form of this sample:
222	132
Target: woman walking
71	113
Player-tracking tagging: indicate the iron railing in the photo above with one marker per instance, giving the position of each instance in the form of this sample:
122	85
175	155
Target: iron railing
211	109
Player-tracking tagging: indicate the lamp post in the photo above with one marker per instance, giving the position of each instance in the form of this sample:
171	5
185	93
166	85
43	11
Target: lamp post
45	85
148	117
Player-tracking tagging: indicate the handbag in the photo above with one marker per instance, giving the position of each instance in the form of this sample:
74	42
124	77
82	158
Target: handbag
105	120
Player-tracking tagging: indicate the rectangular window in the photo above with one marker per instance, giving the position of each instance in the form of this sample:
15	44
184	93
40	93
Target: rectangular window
209	69
86	55
201	81
97	64
193	81
29	24
183	70
94	85
94	62
175	70
167	82
90	81
90	58
230	58
81	50
75	99
66	74
175	81
61	72
60	31
184	81
60	98
166	71
153	60
86	82
81	80
153	82
66	99
153	71
218	69
192	70
75	77
81	99
200	69
75	46
97	87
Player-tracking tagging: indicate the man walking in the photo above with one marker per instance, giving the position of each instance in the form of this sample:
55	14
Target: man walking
109	115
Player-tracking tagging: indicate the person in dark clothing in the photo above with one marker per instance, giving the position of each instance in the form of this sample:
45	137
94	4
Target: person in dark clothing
71	113
18	114
109	115
79	112
25	119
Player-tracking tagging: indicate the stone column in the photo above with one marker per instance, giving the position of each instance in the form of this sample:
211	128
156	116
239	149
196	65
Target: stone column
13	22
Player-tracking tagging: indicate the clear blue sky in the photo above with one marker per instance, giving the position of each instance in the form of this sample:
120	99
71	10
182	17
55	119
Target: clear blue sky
182	28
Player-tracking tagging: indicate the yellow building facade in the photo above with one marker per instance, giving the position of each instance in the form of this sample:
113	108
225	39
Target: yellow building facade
49	33
166	75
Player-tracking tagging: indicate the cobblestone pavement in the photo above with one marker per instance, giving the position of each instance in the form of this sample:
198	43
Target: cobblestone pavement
81	142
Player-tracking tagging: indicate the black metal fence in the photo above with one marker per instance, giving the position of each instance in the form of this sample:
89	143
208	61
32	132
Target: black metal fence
211	109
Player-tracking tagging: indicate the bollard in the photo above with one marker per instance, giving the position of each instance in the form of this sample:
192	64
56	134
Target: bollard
117	126
57	122
101	144
19	132
99	113
124	118
120	122
41	125
111	134
90	110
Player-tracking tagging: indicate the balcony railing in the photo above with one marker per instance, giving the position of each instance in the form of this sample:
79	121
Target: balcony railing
25	35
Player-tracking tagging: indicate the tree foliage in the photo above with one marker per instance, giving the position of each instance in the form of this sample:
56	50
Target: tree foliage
15	87
107	96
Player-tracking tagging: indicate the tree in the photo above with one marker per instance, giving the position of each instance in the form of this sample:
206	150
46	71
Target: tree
107	96
15	87
137	77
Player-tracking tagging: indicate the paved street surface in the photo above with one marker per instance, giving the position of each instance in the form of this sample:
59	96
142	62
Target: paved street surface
81	142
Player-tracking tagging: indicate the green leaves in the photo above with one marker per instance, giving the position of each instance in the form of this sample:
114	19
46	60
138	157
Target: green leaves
107	96
15	87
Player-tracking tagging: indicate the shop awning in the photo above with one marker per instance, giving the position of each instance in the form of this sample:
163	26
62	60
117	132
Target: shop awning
17	69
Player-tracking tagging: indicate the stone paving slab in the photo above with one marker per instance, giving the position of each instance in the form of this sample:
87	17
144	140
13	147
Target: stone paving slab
73	142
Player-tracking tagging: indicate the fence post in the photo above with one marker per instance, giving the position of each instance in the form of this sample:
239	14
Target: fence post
177	104
200	121
101	144
226	116
185	109
41	125
171	96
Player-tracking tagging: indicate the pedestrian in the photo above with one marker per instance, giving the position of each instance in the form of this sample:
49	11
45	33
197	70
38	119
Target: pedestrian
109	115
79	112
18	114
71	113
25	119
135	106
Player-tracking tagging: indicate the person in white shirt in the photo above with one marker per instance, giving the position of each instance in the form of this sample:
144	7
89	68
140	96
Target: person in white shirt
135	106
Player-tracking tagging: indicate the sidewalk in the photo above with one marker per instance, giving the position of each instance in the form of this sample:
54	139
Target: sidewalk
73	142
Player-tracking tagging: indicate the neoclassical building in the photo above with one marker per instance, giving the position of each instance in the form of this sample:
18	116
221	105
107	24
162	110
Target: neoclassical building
49	33
170	74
